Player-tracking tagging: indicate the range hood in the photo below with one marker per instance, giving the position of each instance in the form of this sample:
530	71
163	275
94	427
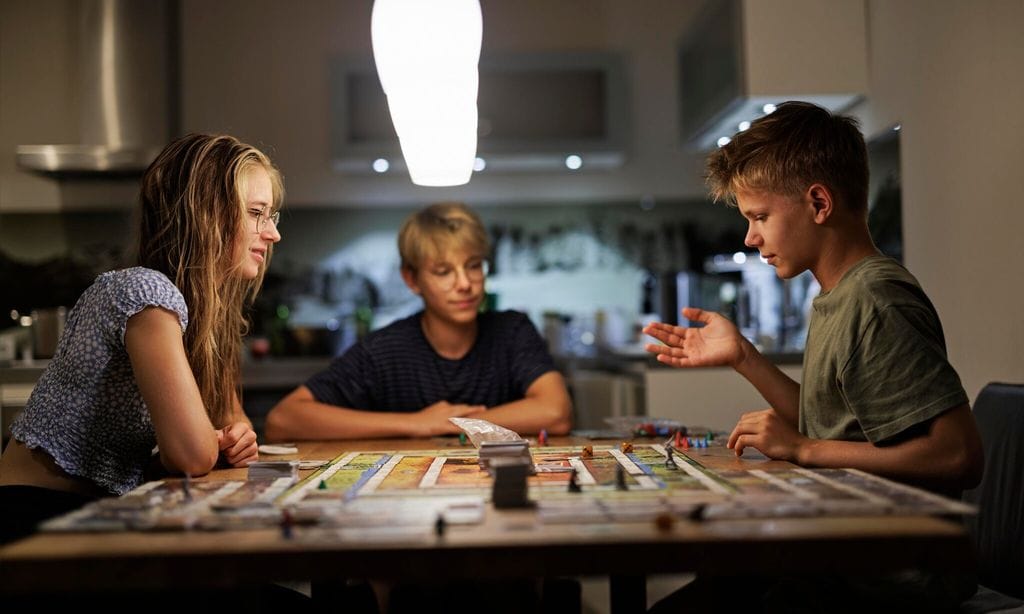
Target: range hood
127	69
740	58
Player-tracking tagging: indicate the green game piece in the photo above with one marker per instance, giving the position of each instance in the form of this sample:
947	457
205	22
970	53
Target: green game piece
711	436
462	439
323	485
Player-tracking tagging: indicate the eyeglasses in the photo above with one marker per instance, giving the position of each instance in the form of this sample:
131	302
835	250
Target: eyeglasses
446	276
262	218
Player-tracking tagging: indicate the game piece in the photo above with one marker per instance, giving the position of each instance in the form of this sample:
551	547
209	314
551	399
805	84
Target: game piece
587	452
322	485
664	521
711	435
186	488
440	525
626	447
271	470
677	442
462	439
670	463
574	485
510	490
542	437
518	449
287	522
620	478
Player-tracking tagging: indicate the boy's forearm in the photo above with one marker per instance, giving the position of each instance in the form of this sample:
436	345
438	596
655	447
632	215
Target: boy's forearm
312	420
531	415
777	388
949	456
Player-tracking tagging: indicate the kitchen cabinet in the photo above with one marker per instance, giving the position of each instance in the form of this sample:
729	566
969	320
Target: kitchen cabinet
714	397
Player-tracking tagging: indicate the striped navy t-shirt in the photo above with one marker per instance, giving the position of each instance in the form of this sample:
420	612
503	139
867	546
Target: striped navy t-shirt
395	368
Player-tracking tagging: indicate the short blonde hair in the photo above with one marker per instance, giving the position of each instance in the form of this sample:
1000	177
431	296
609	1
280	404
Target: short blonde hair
433	230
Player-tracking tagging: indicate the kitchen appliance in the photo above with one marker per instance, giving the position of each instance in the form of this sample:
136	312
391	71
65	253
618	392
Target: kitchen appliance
127	71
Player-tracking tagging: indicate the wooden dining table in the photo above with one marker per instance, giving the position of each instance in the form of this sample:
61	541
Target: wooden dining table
508	543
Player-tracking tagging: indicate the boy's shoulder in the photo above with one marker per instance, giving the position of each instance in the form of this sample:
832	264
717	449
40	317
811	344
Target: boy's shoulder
878	282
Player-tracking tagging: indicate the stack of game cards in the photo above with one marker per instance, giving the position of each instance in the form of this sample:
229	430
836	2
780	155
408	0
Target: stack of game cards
272	470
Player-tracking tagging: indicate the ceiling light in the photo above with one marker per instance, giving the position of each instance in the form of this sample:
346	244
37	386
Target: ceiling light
744	125
768	108
723	141
427	55
479	164
381	165
573	162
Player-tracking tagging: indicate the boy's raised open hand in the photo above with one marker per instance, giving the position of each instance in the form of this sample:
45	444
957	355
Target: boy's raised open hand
717	343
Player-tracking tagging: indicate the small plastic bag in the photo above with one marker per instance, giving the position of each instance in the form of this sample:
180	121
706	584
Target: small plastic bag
480	431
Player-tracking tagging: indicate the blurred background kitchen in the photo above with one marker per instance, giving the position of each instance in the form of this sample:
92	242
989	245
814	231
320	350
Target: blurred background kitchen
595	117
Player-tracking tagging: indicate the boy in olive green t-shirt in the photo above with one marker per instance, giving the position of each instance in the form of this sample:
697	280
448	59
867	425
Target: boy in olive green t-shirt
877	391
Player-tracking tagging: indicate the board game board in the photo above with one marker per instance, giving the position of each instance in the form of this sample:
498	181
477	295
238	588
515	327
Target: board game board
406	488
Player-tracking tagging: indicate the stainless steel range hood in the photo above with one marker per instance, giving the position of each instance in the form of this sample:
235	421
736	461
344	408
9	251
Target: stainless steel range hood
127	71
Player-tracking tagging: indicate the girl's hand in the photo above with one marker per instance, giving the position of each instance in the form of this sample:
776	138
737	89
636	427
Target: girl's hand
237	443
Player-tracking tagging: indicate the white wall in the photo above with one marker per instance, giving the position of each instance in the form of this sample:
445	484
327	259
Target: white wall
950	72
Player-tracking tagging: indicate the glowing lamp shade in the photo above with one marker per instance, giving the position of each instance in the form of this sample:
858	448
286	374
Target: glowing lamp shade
427	54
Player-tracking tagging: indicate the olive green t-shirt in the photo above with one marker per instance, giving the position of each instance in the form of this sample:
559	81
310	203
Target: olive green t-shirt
875	362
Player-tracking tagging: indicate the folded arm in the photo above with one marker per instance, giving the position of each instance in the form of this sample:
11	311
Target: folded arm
546	406
184	433
947	456
299	416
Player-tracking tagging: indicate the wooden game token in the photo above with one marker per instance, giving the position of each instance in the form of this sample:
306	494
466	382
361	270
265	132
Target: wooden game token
587	452
626	447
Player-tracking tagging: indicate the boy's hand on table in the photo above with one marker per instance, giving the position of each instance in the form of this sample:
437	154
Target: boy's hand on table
237	444
768	432
433	419
717	343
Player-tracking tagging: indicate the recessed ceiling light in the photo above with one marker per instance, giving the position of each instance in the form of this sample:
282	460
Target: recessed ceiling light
479	164
381	165
723	141
744	125
573	162
768	109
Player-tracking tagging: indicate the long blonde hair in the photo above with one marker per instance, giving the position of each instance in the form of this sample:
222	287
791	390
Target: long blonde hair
192	211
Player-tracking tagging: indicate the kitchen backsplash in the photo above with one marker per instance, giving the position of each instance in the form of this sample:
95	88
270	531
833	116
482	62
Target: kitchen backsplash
335	273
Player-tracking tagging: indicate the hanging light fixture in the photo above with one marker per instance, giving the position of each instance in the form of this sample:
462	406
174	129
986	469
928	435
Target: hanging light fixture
427	54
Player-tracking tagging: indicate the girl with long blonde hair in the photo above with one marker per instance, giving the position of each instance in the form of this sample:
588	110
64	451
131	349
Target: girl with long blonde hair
150	355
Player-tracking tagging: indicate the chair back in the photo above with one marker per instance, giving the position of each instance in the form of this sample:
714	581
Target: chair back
998	528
